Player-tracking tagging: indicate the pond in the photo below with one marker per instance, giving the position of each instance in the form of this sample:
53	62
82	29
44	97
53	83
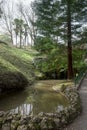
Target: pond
40	97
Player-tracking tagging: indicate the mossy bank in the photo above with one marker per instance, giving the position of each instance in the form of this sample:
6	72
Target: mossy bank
16	69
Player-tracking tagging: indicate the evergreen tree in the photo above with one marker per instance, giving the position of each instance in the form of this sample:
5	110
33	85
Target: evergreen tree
19	26
60	21
46	23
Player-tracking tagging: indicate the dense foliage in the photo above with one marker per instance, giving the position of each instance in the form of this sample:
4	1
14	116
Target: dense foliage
58	25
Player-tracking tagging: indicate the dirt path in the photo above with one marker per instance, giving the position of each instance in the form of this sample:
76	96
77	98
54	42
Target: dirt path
81	122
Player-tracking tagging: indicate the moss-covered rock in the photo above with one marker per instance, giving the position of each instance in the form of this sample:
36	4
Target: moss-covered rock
12	80
14	124
16	68
23	127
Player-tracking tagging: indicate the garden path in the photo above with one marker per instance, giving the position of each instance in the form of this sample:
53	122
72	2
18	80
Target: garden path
81	122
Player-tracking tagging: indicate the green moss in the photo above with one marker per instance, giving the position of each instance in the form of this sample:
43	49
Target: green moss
19	58
6	66
16	67
12	80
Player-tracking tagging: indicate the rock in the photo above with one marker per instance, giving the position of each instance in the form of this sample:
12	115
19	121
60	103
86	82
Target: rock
1	120
23	122
51	124
17	117
28	118
36	119
43	124
41	114
2	113
9	118
14	124
63	120
48	124
60	108
31	126
23	127
57	122
50	115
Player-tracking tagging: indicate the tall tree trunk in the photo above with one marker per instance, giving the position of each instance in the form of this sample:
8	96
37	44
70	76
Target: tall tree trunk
25	41
69	47
16	40
12	39
20	40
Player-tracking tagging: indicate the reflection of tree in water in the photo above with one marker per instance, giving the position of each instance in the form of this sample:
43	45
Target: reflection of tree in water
13	100
39	98
6	126
24	109
48	102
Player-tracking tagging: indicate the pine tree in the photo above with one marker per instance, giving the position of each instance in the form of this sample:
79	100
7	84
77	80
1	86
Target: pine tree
46	13
60	20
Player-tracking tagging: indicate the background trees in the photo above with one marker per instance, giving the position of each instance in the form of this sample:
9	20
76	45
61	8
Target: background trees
61	22
0	8
55	28
21	30
7	18
15	10
29	16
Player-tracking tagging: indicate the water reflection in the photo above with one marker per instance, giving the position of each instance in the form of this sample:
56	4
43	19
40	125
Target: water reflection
12	100
39	98
6	126
24	109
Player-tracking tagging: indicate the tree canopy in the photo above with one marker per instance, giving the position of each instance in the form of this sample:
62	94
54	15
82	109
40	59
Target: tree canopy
59	23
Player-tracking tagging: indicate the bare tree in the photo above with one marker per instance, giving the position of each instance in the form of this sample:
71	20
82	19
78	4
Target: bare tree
7	18
0	7
28	15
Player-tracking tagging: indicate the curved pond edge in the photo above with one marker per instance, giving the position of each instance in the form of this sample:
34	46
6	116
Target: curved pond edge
44	121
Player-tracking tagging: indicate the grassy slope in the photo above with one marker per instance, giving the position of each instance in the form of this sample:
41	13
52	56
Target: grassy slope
16	60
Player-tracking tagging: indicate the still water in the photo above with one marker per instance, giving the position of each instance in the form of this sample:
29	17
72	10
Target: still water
40	97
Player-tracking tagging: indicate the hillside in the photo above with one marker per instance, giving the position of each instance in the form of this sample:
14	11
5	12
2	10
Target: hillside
16	69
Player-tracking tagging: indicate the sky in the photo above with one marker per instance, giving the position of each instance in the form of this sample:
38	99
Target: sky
15	2
24	1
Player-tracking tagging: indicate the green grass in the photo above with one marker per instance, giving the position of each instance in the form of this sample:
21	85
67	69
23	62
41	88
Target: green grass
13	60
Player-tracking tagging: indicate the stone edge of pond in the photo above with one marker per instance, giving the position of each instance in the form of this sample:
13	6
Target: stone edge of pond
45	121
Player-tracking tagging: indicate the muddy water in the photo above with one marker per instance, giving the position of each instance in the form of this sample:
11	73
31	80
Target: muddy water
40	97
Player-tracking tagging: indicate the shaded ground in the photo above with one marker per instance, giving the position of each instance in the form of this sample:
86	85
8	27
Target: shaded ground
81	122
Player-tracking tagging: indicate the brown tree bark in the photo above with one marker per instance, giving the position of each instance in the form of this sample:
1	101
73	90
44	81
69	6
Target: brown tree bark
69	46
